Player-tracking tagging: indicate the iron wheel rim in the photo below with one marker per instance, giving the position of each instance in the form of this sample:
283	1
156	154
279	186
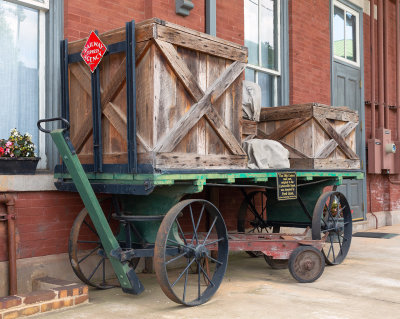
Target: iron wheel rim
192	251
332	215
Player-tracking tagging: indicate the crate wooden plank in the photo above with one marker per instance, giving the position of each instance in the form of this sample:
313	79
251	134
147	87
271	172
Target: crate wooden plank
188	161
324	163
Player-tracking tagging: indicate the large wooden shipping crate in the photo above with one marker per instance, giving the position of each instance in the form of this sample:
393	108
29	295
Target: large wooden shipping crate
188	99
317	136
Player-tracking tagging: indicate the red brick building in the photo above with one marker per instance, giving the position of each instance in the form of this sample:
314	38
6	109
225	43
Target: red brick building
299	51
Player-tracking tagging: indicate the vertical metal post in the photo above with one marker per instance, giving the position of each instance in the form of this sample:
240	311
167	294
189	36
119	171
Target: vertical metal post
373	70
131	96
64	87
386	60
381	87
211	17
96	116
398	68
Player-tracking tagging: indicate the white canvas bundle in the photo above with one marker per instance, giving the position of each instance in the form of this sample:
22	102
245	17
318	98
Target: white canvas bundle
266	154
251	101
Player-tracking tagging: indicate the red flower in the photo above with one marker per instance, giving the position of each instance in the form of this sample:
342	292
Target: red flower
1	151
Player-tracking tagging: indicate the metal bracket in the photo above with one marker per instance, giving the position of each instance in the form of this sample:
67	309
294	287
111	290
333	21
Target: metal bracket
70	146
183	7
123	255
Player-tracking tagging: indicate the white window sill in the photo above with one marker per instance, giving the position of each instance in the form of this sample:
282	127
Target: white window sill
27	183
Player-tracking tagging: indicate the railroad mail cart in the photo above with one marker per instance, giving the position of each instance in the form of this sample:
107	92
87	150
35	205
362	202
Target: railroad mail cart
160	119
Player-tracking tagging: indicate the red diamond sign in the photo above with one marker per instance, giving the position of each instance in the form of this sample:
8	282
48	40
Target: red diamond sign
93	51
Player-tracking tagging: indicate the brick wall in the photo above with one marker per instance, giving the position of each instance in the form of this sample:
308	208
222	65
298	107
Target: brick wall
382	195
230	20
309	51
43	222
82	16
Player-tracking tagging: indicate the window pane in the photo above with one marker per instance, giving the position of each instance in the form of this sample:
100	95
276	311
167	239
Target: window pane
270	90
338	32
249	75
251	29
19	99
351	37
268	34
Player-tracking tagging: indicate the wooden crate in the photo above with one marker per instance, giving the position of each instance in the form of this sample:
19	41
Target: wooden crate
317	136
189	91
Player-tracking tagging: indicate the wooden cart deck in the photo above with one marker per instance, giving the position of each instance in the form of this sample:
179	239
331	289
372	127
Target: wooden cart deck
145	183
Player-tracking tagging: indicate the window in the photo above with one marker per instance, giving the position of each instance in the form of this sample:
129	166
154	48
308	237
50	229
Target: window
345	34
262	31
22	61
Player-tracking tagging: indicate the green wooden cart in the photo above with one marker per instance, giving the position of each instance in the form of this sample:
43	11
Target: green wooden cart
188	238
137	129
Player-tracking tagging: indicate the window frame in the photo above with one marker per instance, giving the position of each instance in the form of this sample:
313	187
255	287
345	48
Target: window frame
345	8
281	75
278	47
43	8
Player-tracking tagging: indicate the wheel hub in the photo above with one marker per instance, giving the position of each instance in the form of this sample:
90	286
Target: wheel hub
200	252
308	264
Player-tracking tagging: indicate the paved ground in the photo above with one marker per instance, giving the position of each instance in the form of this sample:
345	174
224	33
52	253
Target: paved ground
366	285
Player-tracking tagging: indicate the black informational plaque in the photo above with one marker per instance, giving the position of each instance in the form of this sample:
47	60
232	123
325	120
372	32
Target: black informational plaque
286	185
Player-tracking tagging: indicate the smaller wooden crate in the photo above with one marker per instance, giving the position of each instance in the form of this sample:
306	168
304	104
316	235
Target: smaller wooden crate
317	136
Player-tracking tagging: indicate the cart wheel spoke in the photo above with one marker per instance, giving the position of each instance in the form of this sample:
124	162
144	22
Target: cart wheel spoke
186	269
332	214
194	227
179	244
213	242
84	243
95	268
253	218
211	228
89	254
89	242
104	272
205	274
175	258
214	260
91	228
170	270
181	232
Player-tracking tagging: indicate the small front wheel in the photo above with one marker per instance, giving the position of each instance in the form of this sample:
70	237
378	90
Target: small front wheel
306	264
186	270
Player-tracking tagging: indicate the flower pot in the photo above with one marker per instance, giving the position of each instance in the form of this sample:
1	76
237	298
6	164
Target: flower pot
18	166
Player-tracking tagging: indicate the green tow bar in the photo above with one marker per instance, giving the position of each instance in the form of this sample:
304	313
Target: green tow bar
130	283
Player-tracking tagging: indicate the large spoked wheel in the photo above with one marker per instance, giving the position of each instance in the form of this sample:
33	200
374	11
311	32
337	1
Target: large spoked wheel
252	217
86	253
306	264
332	216
186	270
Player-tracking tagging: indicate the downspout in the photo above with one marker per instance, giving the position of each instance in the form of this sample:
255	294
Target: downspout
381	87
386	61
398	68
211	17
373	72
8	200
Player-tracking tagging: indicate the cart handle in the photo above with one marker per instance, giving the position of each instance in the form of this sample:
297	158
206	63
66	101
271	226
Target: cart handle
52	120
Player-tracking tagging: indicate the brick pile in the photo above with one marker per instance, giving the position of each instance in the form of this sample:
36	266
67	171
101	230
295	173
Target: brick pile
61	294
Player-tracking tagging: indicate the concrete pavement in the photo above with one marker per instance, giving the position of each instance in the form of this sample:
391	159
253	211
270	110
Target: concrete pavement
365	285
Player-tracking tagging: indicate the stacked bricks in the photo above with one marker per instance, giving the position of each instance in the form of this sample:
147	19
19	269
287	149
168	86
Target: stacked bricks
63	294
